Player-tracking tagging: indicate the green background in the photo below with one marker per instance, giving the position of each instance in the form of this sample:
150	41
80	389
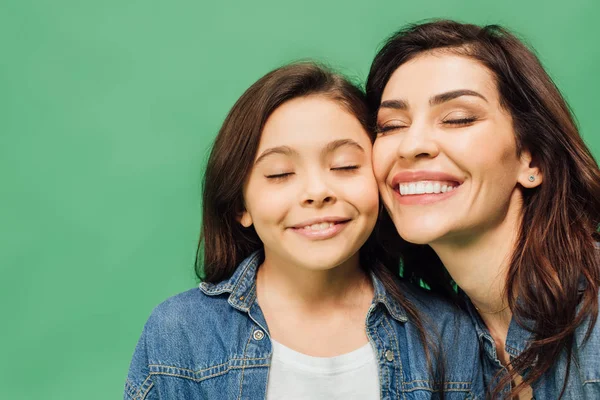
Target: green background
107	110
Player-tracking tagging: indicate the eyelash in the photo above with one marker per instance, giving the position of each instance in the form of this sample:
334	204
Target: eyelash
454	122
460	121
384	129
346	168
280	177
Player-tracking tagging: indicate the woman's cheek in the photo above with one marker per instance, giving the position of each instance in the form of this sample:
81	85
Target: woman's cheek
382	159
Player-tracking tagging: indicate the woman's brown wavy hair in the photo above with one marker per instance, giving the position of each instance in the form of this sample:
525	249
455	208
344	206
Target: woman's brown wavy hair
554	270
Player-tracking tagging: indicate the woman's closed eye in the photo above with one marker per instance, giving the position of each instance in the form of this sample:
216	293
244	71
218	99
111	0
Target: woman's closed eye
459	121
382	130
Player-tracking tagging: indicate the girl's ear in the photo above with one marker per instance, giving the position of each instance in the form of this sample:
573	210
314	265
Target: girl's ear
530	175
245	219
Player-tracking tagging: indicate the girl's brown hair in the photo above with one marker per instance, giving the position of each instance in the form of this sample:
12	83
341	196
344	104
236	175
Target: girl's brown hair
224	242
554	272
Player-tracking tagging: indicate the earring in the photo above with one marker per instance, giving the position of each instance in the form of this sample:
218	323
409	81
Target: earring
531	178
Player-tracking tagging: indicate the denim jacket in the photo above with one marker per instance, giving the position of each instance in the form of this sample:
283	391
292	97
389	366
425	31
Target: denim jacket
213	343
584	373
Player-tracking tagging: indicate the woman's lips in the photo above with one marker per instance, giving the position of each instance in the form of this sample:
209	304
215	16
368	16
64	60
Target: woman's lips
422	198
424	175
424	186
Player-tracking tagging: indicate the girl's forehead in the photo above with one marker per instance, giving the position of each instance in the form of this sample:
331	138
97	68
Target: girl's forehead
311	122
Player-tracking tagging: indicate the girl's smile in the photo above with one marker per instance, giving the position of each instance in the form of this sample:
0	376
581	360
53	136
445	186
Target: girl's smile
311	195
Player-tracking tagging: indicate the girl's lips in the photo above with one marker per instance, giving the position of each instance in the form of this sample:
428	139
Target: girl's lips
322	233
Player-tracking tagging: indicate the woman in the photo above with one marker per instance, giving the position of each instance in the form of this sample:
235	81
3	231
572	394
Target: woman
296	301
481	167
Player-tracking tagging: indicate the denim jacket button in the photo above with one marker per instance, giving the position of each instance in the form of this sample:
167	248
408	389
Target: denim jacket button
258	334
389	355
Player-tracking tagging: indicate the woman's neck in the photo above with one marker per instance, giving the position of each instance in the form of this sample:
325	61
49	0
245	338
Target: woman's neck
479	265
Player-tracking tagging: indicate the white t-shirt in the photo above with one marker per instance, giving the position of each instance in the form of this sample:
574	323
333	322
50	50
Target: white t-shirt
295	376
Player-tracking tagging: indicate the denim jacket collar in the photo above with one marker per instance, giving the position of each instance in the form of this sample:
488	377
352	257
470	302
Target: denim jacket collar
241	285
518	336
242	288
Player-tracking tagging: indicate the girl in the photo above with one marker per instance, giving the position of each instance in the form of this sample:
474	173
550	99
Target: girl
482	169
296	300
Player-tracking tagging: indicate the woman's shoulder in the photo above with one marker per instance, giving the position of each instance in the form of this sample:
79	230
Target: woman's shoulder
432	304
444	319
451	332
587	333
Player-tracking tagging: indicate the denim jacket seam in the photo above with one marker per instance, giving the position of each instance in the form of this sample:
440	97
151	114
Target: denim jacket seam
591	381
215	290
512	351
243	368
466	387
139	393
254	293
130	389
195	379
395	339
179	371
379	356
242	277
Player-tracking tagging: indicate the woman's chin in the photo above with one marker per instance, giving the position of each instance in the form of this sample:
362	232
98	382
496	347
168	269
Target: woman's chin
415	237
419	234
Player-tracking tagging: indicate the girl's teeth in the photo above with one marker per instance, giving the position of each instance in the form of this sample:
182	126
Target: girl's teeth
425	187
319	227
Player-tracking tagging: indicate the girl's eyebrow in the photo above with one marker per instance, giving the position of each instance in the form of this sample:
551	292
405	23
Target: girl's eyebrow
285	150
336	144
329	148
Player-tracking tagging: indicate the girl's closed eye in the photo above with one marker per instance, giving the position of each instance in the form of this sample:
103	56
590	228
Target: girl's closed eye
346	168
278	176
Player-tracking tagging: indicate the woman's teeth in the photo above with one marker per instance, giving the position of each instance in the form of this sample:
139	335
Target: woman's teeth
425	187
319	227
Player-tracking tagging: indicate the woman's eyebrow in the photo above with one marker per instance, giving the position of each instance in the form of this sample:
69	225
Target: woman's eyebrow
397	104
402	105
447	96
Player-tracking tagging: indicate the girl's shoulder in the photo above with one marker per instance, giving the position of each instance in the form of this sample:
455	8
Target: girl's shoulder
190	308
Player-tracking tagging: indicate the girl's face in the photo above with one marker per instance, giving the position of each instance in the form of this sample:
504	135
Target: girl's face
445	157
311	194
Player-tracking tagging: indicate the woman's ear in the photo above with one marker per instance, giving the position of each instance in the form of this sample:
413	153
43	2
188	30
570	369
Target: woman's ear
530	175
245	219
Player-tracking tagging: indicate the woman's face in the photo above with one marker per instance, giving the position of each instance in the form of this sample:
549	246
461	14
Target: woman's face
311	194
445	157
